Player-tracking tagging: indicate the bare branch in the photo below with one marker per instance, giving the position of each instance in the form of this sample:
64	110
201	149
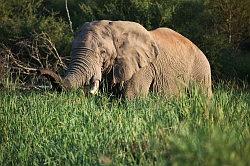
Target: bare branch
18	64
67	10
28	55
57	56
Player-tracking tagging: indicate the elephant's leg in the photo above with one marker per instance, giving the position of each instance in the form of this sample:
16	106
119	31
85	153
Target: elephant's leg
139	84
202	76
203	80
205	85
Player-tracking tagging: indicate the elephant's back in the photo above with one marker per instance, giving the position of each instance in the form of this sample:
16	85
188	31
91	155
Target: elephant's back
175	46
176	51
167	37
179	58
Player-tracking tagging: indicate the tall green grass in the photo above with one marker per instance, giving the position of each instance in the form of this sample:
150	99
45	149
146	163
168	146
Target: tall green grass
45	128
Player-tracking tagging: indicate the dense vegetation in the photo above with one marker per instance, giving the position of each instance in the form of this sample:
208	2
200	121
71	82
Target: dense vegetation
36	34
68	129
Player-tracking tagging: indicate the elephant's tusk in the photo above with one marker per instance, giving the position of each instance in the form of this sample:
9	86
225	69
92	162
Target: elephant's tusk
121	85
95	88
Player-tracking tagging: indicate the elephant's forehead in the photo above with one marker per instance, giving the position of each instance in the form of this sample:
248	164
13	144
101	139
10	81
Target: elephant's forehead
93	31
95	26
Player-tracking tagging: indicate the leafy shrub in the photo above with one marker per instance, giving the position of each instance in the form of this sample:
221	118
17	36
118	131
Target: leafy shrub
31	40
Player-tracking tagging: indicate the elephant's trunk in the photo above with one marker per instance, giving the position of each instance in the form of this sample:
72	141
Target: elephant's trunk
82	71
55	79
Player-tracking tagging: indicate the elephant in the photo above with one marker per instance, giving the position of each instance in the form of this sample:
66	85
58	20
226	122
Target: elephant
138	60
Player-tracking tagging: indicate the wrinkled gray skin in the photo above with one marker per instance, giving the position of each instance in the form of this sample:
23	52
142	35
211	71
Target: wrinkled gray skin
161	60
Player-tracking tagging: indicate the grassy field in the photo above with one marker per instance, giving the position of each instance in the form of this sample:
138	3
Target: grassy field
45	128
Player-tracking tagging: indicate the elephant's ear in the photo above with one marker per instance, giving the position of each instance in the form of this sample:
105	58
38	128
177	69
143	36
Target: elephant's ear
135	47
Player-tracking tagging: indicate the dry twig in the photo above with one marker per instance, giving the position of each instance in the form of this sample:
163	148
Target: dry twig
28	55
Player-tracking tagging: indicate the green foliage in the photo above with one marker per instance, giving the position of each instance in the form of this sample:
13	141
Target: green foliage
150	14
20	19
58	31
189	19
70	129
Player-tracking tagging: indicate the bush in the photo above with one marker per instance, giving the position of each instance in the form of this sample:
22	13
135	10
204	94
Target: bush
31	40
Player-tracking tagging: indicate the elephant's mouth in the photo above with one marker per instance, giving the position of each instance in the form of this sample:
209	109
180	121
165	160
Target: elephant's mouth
94	87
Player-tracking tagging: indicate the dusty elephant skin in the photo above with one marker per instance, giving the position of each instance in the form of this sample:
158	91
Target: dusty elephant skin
161	60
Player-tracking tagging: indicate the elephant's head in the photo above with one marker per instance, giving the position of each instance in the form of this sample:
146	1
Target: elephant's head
101	47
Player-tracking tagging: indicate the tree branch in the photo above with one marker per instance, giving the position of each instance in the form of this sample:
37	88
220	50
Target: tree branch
67	10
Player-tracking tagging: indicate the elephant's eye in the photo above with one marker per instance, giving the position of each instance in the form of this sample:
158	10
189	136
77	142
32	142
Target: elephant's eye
103	52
